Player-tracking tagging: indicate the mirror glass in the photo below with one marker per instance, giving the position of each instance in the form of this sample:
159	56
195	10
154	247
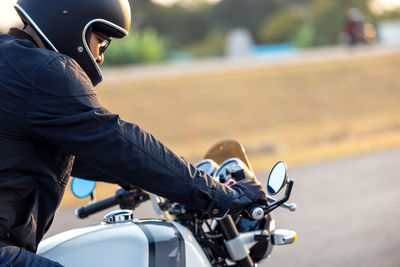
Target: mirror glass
277	178
82	188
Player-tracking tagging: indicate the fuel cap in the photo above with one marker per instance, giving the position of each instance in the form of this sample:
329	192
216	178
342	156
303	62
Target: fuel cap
118	216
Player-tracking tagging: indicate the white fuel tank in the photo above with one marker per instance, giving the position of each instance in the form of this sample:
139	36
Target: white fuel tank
139	243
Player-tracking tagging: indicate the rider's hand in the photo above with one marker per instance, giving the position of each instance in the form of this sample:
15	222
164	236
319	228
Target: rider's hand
246	192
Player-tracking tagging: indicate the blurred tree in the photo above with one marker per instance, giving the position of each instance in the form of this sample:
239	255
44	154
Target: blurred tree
305	36
139	47
182	25
249	14
281	26
326	20
178	24
201	25
212	45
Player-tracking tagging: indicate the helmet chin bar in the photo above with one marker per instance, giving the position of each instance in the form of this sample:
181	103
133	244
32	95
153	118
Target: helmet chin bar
87	48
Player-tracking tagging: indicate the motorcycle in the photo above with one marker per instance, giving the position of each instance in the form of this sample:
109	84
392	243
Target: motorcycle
181	236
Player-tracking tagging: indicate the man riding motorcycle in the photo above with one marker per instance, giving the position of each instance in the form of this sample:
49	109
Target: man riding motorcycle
53	126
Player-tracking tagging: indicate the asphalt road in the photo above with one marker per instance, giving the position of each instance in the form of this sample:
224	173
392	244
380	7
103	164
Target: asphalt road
347	215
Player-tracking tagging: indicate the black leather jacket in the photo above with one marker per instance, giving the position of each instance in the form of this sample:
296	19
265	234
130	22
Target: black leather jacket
49	116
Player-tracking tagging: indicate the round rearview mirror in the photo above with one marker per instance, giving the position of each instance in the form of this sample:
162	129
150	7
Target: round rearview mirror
277	178
82	188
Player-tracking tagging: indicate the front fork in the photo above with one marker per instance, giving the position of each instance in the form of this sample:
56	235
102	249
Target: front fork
238	244
237	251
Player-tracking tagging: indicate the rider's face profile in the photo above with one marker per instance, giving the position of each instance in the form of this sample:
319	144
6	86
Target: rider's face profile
95	43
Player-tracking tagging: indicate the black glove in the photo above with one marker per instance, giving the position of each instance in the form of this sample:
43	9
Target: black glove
246	192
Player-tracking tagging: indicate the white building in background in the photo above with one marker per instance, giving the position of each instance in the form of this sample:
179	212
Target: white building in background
239	43
389	33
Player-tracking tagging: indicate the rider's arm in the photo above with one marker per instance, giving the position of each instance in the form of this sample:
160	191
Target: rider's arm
87	171
64	111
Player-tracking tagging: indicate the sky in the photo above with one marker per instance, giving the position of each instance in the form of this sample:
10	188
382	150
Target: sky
382	5
9	17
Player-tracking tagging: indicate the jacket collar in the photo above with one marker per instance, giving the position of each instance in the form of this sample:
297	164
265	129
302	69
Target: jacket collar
21	35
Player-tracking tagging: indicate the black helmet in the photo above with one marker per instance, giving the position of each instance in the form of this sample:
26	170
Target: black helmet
66	25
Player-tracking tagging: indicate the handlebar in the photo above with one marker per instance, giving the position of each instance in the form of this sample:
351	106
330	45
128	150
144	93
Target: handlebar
126	199
90	209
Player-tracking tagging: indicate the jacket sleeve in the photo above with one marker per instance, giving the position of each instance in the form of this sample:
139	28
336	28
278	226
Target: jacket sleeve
83	170
64	111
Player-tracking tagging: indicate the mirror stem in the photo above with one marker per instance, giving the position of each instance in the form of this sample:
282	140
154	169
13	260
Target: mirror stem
92	199
279	202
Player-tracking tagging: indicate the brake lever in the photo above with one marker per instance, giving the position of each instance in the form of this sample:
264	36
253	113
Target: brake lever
258	212
290	207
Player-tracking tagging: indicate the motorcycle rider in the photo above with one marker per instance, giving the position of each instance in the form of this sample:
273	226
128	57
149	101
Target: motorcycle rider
53	125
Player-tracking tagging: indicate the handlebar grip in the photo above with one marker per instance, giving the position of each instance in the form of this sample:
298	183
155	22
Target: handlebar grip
256	212
85	211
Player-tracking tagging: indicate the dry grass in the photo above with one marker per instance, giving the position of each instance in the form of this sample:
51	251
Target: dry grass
300	113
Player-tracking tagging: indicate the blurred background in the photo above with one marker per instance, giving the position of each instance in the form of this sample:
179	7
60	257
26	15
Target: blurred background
315	83
180	30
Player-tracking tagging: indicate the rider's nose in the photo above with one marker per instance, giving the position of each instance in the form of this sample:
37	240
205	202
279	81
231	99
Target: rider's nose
100	59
